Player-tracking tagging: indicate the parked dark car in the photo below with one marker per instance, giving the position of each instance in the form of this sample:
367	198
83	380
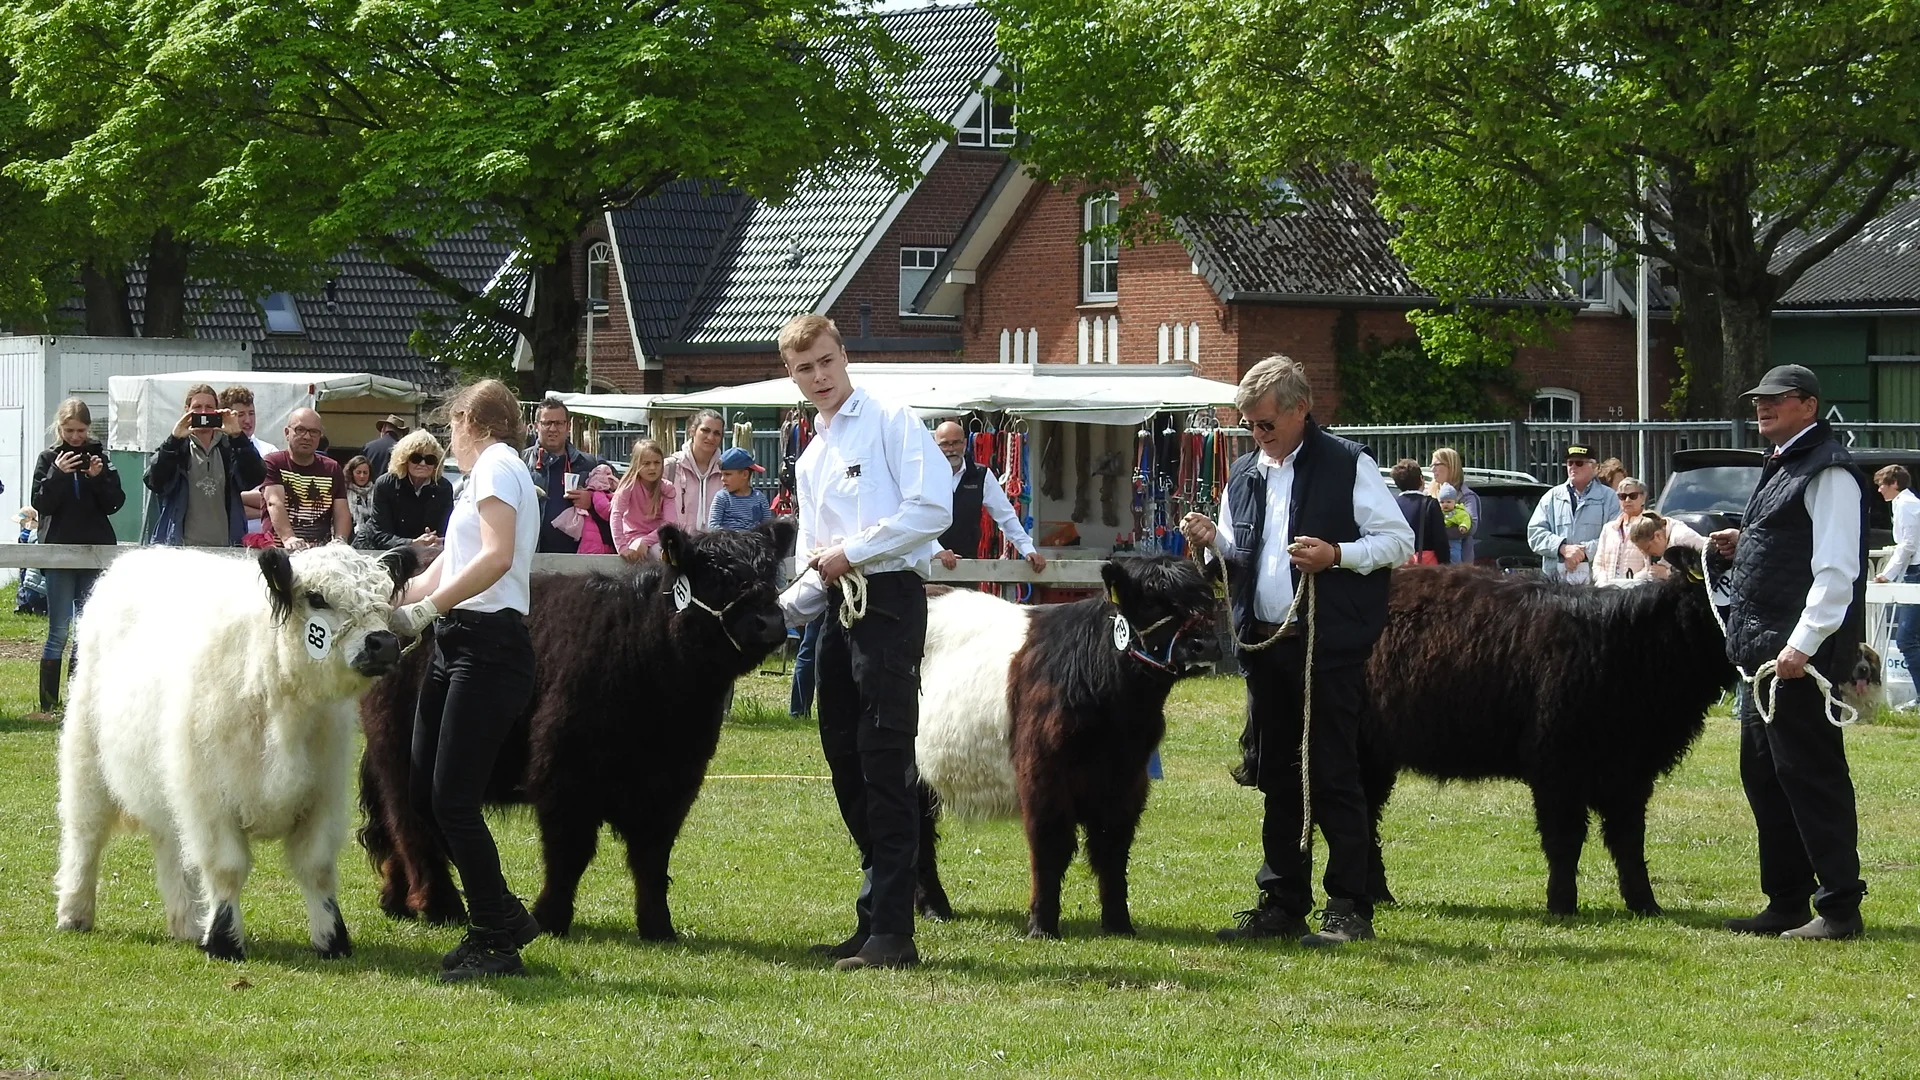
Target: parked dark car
1506	503
1708	489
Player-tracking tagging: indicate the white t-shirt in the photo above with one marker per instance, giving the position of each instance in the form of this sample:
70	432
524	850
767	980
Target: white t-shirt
500	474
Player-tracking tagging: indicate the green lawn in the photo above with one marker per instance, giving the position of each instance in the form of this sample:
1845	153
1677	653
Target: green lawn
1470	977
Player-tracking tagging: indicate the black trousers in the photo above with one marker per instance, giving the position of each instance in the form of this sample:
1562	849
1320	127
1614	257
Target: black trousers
478	685
1276	680
869	702
1797	781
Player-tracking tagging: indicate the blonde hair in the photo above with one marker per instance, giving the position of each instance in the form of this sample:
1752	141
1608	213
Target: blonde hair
632	475
71	409
802	331
490	408
1610	472
416	442
1645	527
1456	473
1279	376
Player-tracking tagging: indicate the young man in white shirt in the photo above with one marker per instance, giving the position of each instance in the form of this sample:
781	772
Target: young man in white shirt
873	493
976	488
1798	590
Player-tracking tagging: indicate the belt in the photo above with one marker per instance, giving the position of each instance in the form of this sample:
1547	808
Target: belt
462	617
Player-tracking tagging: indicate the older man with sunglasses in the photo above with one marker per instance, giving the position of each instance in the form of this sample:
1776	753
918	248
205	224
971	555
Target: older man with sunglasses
1565	528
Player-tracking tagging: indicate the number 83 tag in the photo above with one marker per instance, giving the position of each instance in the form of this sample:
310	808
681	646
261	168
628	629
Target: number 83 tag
318	636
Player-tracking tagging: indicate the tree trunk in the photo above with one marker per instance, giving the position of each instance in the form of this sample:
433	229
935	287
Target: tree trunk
166	313
1698	313
105	288
556	322
1745	334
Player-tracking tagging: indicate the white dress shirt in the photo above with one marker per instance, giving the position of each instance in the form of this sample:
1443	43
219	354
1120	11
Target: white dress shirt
1906	535
1385	537
874	482
1833	502
1000	508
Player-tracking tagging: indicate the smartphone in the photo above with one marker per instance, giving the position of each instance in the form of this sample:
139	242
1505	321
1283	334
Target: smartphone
203	419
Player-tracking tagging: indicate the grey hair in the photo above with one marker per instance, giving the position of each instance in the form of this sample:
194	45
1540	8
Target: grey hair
1279	376
1630	482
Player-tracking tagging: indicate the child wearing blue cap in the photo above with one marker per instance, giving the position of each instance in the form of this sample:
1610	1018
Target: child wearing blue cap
736	505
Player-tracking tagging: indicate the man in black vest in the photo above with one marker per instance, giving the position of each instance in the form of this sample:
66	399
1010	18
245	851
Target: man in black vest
974	488
1306	507
1799	598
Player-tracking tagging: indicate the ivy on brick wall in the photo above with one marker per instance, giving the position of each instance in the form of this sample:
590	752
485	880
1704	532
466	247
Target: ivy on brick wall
1399	382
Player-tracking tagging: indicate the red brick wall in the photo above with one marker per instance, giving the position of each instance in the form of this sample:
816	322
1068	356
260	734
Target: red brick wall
1595	358
613	362
1306	334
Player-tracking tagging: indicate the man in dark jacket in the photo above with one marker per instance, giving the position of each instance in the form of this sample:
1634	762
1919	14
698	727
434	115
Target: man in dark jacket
1305	509
379	452
552	458
1798	586
1422	512
197	475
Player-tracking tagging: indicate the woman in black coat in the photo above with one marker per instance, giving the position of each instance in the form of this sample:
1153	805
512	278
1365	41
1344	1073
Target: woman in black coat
411	500
76	491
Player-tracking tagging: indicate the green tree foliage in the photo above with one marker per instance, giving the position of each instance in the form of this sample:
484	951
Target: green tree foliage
392	123
1754	137
1399	382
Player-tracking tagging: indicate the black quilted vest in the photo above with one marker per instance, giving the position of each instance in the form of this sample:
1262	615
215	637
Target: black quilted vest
1352	607
1773	564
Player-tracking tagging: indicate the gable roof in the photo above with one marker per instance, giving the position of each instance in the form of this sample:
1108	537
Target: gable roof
706	267
1879	268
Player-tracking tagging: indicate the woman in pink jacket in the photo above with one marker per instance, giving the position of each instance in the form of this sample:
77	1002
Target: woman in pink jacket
695	471
644	502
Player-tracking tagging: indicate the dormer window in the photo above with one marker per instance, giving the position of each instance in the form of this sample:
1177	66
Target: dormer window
1586	265
283	315
994	122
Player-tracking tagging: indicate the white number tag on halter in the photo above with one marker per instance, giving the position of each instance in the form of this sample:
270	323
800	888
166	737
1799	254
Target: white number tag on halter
318	636
682	593
1122	633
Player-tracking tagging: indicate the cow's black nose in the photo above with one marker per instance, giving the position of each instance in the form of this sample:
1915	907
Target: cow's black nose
382	649
768	629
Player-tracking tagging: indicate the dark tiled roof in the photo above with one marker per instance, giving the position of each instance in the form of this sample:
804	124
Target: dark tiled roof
780	260
669	244
1336	245
373	313
1878	268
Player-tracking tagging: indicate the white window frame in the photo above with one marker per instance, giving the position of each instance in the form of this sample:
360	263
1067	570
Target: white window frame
982	128
1600	282
1099	253
925	261
282	317
1555	393
600	263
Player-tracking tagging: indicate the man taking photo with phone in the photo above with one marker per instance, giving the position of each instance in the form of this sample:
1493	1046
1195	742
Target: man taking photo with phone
197	475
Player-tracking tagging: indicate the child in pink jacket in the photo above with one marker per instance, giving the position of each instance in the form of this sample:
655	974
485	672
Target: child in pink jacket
643	503
592	540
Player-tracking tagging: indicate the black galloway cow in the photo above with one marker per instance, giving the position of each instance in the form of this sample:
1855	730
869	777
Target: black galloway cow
1051	713
1585	695
632	677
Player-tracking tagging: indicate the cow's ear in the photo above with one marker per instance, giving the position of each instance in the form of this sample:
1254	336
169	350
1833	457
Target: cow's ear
779	533
1118	584
401	562
675	546
277	568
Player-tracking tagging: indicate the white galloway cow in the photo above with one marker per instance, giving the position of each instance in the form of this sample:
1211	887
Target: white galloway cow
217	705
965	747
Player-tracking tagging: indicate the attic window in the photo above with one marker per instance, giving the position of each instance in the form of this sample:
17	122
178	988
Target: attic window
1100	251
283	315
599	264
916	265
994	122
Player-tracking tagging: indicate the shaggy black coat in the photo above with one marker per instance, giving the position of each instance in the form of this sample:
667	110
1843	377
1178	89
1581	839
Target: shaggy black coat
1085	719
628	701
1585	695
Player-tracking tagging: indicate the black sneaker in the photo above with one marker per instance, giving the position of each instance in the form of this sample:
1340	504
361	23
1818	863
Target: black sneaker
522	927
1769	922
1339	924
484	953
843	950
1263	920
882	951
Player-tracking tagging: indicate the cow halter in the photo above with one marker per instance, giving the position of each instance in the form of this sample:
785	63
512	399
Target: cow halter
683	598
1833	708
1131	641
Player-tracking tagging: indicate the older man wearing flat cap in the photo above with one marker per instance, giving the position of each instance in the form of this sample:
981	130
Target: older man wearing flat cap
1566	523
1799	600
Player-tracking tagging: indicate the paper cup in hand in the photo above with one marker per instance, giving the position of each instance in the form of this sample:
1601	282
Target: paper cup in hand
572	480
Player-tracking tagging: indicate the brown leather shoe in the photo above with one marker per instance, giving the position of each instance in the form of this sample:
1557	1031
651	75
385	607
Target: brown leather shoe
1839	928
883	951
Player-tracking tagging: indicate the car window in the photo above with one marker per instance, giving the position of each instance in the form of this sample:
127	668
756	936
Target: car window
1505	513
1717	490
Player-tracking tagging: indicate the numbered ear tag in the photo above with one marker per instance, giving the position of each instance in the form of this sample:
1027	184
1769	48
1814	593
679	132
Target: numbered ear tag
319	636
682	593
1122	633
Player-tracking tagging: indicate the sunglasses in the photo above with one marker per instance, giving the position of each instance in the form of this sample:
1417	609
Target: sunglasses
1633	495
1265	427
423	459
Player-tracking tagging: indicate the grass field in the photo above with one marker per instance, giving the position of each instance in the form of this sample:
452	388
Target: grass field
1470	976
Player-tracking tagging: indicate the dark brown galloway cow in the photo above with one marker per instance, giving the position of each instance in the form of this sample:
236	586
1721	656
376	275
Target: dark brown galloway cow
632	677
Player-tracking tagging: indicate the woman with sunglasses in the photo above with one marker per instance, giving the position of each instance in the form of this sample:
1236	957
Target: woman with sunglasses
1617	561
412	501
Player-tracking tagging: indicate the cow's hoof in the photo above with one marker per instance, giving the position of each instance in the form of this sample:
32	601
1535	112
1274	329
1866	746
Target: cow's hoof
665	936
1120	930
1038	934
1648	910
552	919
223	948
338	943
223	938
1563	909
74	925
1383	896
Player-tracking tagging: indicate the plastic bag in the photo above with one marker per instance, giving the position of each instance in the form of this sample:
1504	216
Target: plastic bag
569	521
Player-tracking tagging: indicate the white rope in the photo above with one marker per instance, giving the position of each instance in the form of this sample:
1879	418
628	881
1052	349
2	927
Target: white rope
853	597
1312	598
1763	702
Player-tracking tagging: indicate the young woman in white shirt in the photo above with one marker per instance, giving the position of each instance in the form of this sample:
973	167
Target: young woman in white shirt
480	680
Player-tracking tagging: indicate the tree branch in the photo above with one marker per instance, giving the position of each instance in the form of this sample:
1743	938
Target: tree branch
1870	207
405	259
1782	228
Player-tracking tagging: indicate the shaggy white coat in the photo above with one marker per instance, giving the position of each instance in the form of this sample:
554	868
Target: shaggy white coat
964	749
196	719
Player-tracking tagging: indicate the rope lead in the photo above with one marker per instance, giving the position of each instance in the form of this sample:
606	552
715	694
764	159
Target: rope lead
1763	703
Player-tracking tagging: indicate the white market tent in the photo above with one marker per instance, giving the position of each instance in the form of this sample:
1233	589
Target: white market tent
142	409
1106	394
619	408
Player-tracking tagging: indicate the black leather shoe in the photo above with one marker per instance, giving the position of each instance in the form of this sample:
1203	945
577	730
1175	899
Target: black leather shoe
1769	922
1339	924
843	950
1822	928
521	928
484	954
1263	920
882	951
